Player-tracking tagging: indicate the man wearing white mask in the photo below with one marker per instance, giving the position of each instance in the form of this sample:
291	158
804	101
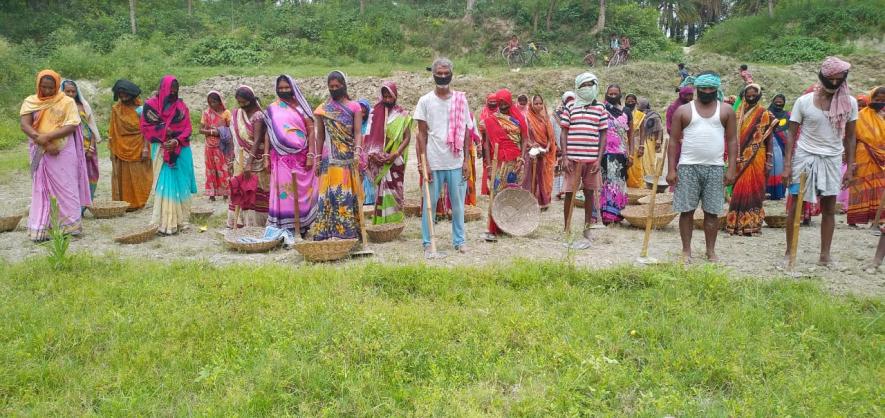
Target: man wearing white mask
444	126
584	123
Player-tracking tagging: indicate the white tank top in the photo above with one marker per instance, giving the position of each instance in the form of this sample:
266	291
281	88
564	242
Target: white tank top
703	140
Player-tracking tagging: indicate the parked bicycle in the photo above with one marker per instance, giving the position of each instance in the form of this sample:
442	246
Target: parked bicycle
535	52
619	58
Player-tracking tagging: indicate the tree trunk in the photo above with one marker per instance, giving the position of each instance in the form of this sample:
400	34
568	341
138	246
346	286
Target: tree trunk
550	10
190	7
600	21
537	15
132	15
362	7
771	8
468	12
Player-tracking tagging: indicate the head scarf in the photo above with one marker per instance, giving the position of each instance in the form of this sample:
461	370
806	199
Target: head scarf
341	77
840	106
778	113
652	121
505	96
711	80
248	94
298	96
37	102
684	92
220	98
90	116
374	142
127	87
689	81
643	105
587	95
863	100
160	119
485	108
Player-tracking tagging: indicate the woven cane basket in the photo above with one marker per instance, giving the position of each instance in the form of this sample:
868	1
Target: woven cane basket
776	221
328	250
138	237
201	214
516	212
108	209
9	222
412	208
660	198
472	213
634	194
698	219
385	232
637	215
231	240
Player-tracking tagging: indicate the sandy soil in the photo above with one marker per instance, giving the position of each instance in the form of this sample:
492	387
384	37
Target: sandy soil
755	257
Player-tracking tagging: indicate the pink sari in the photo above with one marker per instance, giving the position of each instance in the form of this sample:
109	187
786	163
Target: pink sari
288	159
63	177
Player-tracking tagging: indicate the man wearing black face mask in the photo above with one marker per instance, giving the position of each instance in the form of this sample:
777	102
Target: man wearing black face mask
697	144
827	117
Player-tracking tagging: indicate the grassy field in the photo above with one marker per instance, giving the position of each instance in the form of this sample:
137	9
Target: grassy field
122	338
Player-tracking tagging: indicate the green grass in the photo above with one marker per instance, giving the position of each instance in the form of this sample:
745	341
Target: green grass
112	337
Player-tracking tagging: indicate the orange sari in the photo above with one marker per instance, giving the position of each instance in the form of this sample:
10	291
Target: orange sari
131	175
745	212
866	191
541	132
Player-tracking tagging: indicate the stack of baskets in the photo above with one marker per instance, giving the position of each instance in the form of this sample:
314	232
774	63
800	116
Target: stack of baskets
412	208
634	194
775	214
472	213
138	237
660	198
328	250
108	209
233	240
637	215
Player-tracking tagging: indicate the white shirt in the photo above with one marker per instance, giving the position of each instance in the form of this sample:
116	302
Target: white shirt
817	135
435	112
703	140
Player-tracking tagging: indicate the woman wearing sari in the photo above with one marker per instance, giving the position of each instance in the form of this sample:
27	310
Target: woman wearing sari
249	132
541	135
755	125
775	187
636	172
90	132
651	137
292	158
339	127
387	150
166	125
51	122
509	133
865	193
614	162
490	107
131	171
215	120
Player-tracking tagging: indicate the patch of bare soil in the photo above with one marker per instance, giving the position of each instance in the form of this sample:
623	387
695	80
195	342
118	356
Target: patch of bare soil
753	257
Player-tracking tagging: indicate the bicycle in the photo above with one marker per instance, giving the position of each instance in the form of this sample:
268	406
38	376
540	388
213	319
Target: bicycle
513	57
619	58
534	53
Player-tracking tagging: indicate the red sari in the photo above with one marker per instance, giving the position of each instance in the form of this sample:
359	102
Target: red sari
217	177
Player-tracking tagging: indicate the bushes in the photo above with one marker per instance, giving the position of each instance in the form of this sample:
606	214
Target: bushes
213	51
793	49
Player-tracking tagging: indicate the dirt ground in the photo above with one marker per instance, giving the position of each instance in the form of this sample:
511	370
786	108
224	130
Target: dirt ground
754	257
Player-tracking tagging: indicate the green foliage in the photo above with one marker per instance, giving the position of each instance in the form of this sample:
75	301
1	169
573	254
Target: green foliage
59	241
213	51
799	31
788	50
111	337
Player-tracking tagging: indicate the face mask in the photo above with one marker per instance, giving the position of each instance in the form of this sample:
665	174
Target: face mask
172	98
707	97
338	93
630	107
442	81
877	106
829	87
613	99
491	106
389	105
504	109
588	94
286	95
753	100
777	108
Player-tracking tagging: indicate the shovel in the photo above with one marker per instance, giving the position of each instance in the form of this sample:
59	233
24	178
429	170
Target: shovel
428	210
296	196
360	195
797	219
659	169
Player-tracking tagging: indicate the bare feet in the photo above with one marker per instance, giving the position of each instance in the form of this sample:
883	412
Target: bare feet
712	257
686	258
211	198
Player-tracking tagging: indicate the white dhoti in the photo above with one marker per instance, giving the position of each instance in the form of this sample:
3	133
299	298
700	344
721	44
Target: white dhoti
824	176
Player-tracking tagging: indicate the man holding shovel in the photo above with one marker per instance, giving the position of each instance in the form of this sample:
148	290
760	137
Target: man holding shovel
444	125
827	119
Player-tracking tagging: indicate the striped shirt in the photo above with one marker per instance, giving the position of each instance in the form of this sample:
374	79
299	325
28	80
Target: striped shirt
584	125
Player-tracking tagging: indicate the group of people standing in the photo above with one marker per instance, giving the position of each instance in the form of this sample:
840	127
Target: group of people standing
297	171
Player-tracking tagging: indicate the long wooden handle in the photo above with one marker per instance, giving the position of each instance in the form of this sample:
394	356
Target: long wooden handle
659	169
428	206
494	175
879	212
360	195
296	196
797	219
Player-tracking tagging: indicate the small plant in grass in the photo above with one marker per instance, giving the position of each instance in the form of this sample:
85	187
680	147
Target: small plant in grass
58	241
